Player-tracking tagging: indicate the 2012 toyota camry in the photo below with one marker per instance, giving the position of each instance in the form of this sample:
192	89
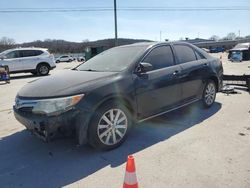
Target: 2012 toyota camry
102	98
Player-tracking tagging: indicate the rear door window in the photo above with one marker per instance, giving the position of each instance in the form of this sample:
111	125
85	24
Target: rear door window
30	53
160	57
184	53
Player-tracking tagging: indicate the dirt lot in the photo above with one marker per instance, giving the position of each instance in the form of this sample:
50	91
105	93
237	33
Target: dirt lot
192	147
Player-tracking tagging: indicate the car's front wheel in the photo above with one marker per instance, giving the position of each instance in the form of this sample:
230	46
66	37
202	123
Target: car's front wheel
109	127
209	94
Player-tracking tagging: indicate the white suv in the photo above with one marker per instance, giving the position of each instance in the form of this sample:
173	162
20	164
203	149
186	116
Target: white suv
35	60
64	58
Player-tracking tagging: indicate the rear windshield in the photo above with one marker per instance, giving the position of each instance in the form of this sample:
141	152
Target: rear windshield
113	60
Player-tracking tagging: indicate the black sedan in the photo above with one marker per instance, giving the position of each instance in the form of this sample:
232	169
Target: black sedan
101	99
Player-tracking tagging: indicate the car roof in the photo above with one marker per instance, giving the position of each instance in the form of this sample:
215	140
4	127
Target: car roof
26	48
150	44
30	48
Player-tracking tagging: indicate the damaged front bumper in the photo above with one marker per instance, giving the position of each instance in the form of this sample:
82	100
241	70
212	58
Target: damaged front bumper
46	127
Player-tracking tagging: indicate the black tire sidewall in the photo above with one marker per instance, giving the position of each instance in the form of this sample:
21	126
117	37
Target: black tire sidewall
204	91
93	138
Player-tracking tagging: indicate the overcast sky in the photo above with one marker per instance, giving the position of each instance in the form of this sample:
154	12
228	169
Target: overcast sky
77	26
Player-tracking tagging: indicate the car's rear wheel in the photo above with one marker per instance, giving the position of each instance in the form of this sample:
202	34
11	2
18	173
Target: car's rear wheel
43	69
209	94
109	127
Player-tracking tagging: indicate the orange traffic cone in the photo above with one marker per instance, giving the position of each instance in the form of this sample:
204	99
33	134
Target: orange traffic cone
130	180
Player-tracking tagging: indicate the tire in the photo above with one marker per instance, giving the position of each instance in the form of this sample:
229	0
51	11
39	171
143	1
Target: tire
43	69
105	136
57	61
209	94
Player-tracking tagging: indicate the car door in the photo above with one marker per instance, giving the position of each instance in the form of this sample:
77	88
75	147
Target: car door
30	59
194	67
12	59
159	89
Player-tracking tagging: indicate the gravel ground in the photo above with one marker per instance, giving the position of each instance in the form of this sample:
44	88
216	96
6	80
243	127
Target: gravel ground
191	147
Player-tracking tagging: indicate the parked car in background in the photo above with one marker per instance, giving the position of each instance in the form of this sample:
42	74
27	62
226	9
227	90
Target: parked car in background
216	50
38	61
81	59
65	58
100	99
243	48
236	56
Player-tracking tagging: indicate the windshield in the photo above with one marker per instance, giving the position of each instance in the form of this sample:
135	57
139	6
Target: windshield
113	60
5	52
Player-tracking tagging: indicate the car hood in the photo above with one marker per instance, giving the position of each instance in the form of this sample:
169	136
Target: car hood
64	83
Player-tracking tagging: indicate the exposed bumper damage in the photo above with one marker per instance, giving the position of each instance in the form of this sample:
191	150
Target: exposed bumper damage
46	127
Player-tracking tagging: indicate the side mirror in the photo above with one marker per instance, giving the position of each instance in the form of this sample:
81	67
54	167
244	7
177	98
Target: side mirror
2	57
144	67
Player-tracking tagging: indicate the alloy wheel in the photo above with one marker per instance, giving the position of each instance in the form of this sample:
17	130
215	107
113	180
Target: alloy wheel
210	93
112	126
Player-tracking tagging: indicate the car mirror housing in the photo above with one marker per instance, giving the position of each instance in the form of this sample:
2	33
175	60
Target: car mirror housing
144	67
2	57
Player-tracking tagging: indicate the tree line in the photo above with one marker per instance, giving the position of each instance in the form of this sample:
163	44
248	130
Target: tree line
230	36
62	46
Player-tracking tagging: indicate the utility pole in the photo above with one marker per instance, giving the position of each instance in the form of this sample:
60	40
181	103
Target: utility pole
115	15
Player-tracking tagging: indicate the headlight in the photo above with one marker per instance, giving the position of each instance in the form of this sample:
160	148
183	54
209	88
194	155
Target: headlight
56	106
